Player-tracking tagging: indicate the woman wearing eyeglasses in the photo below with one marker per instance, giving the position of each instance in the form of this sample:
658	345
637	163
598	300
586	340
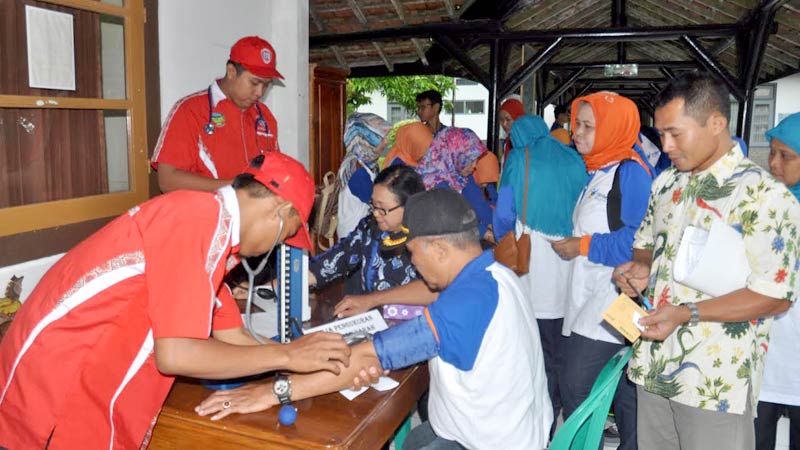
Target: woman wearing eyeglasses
386	278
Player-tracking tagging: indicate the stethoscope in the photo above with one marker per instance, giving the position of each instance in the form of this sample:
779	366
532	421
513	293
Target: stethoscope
251	279
210	128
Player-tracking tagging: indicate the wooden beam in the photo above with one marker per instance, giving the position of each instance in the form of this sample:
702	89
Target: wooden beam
339	57
385	60
420	51
315	18
357	11
398	7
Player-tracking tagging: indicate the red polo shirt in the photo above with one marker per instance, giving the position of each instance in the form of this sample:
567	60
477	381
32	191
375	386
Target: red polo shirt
238	136
78	359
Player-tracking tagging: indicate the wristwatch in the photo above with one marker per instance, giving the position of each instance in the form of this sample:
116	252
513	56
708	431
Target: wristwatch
695	315
282	389
356	337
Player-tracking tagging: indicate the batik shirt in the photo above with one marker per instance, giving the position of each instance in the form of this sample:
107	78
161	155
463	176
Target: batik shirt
712	365
360	250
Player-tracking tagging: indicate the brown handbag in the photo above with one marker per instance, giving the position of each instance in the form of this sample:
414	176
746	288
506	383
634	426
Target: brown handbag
512	252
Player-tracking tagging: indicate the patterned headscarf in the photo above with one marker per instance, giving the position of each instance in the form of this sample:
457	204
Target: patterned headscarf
410	144
788	132
363	133
616	129
556	177
452	151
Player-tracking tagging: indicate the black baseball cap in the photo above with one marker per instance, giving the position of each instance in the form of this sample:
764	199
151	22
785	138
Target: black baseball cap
433	213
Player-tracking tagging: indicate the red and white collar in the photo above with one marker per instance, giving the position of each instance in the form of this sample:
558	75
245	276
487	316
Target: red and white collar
231	204
216	94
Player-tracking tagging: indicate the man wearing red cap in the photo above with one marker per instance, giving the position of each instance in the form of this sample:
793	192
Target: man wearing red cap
210	136
93	352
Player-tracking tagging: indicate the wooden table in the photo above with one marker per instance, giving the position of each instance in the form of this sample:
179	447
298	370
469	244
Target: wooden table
325	422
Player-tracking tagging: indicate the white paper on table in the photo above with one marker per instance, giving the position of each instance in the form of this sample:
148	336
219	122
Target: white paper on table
368	322
351	394
384	384
51	49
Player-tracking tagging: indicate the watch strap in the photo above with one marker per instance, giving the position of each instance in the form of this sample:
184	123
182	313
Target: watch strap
695	315
284	398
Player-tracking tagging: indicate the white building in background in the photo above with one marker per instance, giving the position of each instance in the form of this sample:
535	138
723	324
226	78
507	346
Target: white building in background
470	101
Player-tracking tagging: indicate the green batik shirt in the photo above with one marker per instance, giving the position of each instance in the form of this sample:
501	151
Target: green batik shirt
712	365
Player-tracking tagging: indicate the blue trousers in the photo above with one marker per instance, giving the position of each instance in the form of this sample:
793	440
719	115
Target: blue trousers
582	360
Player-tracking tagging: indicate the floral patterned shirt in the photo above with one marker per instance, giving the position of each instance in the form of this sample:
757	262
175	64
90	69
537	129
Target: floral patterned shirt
360	250
713	365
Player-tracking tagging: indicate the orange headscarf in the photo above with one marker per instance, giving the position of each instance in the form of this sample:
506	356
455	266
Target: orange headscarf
616	129
487	170
410	144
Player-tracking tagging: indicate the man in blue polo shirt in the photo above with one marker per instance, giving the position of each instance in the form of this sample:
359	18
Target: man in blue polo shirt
488	388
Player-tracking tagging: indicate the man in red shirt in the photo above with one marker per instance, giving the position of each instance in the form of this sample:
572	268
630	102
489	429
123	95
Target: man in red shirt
210	136
93	352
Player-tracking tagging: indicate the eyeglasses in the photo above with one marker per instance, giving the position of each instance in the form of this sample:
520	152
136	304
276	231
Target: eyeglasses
423	105
382	211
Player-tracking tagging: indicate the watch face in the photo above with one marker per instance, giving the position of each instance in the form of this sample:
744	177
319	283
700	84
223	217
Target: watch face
280	386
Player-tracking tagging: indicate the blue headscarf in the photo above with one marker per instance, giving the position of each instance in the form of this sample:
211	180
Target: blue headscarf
788	132
557	177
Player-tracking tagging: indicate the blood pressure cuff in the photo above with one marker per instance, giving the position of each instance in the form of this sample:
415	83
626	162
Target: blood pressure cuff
406	344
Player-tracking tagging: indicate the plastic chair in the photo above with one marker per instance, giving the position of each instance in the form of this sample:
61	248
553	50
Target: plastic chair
583	430
402	432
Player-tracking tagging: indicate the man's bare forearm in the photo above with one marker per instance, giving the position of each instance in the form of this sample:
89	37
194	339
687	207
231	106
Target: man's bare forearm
172	179
740	305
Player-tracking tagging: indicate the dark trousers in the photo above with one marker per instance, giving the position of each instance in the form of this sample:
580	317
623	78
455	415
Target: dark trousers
767	425
581	361
552	347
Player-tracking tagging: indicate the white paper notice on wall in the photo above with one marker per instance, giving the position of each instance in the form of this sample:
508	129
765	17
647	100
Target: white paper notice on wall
51	49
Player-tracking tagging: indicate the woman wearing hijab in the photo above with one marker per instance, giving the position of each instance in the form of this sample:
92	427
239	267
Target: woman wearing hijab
556	176
450	162
410	144
510	110
780	386
613	203
364	135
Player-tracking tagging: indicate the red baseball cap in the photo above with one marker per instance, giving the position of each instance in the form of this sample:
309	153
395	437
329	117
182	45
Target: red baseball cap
288	178
255	55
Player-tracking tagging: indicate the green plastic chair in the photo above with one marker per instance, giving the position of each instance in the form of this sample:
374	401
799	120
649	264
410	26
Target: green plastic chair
584	428
402	432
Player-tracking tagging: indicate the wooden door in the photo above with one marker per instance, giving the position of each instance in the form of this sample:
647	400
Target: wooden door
328	95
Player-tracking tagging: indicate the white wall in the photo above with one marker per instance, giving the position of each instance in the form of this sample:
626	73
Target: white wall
195	37
786	96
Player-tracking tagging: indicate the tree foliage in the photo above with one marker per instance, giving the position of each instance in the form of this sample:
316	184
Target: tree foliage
401	90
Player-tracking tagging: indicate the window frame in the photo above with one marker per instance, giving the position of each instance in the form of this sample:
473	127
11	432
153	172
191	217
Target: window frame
38	216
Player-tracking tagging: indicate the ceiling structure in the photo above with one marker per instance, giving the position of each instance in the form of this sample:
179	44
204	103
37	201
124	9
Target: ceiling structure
565	45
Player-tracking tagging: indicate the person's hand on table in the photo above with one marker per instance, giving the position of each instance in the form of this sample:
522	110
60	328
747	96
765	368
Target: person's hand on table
351	305
250	398
366	376
318	351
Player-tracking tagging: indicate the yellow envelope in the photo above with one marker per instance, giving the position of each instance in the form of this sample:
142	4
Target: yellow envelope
624	315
